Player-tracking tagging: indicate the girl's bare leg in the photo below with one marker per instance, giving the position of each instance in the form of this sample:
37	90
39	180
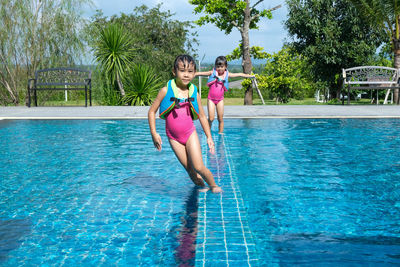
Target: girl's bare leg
181	154
194	156
220	115
211	111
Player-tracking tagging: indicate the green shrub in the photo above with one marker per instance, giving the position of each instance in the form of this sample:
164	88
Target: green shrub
141	86
334	101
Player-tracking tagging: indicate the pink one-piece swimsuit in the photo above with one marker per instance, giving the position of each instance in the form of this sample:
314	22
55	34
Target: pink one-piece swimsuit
179	124
217	90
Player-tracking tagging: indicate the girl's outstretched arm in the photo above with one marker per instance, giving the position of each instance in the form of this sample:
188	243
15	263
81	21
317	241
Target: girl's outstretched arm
203	73
205	125
244	75
151	115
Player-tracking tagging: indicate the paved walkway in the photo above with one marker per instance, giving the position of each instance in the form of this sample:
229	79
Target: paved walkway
278	111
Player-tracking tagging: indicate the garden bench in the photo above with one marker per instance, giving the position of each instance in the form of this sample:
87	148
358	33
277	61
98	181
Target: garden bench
60	79
370	78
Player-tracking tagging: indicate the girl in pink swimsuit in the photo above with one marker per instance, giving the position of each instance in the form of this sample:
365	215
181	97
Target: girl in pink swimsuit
179	126
218	85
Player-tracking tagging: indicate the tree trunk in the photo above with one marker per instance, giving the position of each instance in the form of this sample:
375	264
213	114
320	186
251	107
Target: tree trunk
397	66
120	86
8	79
246	60
10	91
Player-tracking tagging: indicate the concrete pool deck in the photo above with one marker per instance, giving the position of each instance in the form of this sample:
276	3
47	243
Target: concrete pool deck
267	111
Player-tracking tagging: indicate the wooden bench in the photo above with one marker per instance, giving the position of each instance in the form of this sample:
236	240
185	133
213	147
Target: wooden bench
60	79
370	78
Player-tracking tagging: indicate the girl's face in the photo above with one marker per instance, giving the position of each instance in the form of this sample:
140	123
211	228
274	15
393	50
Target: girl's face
221	69
184	73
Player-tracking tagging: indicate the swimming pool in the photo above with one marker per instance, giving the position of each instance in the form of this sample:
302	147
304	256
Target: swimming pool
95	192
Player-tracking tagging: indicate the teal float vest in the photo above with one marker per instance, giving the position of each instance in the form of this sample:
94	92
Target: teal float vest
214	78
171	100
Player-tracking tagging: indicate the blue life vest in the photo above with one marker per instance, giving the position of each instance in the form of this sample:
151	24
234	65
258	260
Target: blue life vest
214	78
171	100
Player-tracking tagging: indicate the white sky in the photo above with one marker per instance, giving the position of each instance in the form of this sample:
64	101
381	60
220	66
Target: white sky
212	41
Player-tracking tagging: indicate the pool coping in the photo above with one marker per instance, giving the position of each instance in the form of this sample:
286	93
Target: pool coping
230	112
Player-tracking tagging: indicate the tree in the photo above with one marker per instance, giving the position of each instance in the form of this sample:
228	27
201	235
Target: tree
36	34
157	38
286	75
114	51
230	14
384	15
332	35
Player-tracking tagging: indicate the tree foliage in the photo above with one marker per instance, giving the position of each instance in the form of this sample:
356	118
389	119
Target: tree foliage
156	37
230	14
114	52
36	34
332	35
256	52
286	75
384	15
142	84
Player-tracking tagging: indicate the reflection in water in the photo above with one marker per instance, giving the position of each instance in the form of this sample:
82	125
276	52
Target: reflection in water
153	184
12	233
186	251
5	123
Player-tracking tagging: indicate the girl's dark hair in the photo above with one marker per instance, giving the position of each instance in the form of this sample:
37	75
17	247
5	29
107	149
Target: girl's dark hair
186	60
221	60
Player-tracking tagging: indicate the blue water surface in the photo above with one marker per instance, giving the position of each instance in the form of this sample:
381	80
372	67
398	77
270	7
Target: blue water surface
90	192
95	192
320	192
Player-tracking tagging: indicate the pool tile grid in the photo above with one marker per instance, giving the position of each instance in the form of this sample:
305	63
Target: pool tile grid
224	237
135	241
142	227
92	208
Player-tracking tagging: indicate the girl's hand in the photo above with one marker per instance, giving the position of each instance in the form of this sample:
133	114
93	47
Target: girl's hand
157	141
211	145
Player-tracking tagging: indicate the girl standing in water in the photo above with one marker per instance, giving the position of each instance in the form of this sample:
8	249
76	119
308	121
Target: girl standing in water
179	105
218	84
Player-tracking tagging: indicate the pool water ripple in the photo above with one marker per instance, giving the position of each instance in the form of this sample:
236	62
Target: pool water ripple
86	195
314	192
319	193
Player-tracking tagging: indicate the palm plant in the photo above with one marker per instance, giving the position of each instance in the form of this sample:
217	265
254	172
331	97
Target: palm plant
386	15
142	84
114	52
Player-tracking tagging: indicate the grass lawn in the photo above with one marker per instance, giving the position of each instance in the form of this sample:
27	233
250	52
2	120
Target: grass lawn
229	101
238	101
69	103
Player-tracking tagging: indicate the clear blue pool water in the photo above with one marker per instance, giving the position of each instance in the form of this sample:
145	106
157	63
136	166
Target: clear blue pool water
320	192
315	192
89	193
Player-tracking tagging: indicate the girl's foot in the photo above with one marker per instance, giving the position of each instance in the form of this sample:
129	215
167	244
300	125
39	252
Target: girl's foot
215	189
203	189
